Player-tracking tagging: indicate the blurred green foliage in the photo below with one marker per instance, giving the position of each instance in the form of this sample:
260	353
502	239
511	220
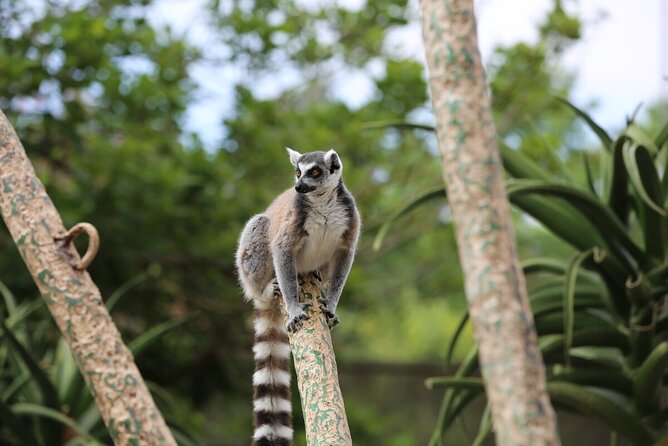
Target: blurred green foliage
98	94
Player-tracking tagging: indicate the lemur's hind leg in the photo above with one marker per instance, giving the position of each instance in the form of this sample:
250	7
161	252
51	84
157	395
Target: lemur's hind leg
254	261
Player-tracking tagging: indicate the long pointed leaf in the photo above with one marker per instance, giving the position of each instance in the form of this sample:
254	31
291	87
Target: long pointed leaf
519	165
615	234
649	379
559	218
445	414
454	340
23	433
552	346
553	323
399	124
485	427
618	197
150	337
8	298
611	379
543	265
662	137
597	129
643	176
125	287
51	414
637	134
589	174
455	382
569	301
49	393
438	193
609	412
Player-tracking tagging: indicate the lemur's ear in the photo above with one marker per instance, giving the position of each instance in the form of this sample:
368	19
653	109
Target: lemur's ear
294	156
333	161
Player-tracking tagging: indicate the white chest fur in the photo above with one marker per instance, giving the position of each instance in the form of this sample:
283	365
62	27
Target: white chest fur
325	223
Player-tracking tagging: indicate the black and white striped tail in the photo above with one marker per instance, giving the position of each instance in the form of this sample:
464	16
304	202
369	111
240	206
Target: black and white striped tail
272	411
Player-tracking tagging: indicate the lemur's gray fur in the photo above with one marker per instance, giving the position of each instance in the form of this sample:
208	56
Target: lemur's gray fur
312	227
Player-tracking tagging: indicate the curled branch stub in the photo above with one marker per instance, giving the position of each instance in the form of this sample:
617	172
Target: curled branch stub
93	243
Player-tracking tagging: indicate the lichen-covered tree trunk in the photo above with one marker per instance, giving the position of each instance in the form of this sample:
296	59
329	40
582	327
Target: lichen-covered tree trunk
317	377
126	405
510	361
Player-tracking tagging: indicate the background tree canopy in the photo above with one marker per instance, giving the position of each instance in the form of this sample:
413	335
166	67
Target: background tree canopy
98	93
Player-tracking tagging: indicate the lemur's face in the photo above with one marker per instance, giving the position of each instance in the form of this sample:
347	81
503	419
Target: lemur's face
315	170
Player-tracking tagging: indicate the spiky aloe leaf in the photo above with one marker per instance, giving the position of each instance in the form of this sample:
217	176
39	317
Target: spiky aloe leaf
548	300
645	181
597	129
455	339
662	137
553	322
596	357
586	402
455	382
559	218
649	379
569	300
618	196
543	265
608	378
438	193
642	173
615	234
452	405
589	174
519	165
552	346
485	428
460	400
637	134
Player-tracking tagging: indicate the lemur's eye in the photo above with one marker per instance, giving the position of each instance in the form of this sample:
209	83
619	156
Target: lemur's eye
298	173
315	173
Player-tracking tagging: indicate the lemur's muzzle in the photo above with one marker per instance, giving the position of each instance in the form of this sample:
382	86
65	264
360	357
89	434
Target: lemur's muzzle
303	188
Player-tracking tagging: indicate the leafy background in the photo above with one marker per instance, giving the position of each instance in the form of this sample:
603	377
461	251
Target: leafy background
98	93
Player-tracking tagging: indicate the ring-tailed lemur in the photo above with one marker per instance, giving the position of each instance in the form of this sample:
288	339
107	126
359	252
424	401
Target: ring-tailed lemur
311	228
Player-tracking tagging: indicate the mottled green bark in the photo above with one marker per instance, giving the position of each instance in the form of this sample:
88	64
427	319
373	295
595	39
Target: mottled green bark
108	367
317	376
510	361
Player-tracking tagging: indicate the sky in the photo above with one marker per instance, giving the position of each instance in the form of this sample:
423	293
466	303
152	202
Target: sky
619	63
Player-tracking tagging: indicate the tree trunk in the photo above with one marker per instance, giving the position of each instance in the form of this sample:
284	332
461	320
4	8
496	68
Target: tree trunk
510	361
317	378
108	367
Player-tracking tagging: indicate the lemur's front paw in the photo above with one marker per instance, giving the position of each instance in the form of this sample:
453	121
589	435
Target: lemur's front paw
332	319
297	317
317	275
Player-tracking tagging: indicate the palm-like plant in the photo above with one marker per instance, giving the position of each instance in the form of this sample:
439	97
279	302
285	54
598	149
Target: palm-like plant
600	315
43	397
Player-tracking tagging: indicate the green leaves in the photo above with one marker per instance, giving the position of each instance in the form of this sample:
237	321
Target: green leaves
596	315
606	410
